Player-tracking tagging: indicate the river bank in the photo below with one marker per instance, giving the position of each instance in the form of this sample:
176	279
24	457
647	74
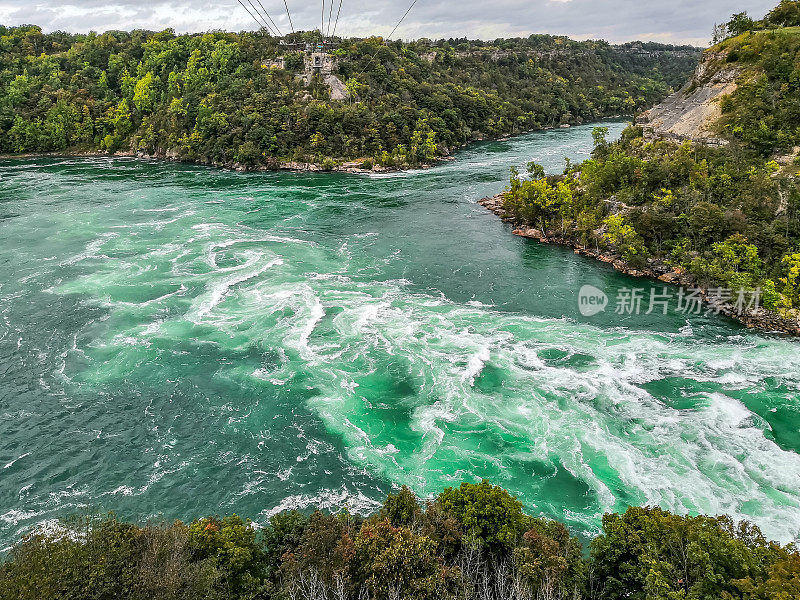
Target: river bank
355	167
656	269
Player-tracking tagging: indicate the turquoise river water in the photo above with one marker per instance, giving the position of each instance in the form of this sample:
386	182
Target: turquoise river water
178	341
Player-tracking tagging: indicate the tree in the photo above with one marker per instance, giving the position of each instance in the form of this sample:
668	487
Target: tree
599	135
627	240
791	280
786	14
551	560
402	509
488	514
231	543
648	553
782	582
393	562
736	262
739	23
144	95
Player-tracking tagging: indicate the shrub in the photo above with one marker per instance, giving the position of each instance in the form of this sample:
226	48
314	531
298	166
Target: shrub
650	553
232	544
488	514
394	562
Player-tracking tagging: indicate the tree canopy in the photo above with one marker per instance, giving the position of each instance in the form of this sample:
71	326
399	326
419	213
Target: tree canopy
239	97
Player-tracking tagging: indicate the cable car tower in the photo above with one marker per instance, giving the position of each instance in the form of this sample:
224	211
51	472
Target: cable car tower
318	58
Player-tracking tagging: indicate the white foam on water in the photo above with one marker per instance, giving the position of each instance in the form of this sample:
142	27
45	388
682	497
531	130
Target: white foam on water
218	289
475	366
715	459
91	250
327	500
11	463
429	392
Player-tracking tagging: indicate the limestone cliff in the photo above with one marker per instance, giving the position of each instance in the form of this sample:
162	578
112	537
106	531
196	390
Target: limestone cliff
691	113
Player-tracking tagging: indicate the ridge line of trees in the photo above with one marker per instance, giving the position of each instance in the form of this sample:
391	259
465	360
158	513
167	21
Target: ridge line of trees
221	97
470	542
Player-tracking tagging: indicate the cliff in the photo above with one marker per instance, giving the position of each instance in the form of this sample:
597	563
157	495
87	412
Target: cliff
717	214
692	112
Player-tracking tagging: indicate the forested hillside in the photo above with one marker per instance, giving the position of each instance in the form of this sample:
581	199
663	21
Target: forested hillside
716	204
471	542
237	98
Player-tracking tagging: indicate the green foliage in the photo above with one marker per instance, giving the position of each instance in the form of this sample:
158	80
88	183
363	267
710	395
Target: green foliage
626	239
107	559
395	562
294	61
282	538
790	282
551	560
326	548
648	553
740	23
786	14
600	143
489	515
210	98
763	113
402	509
231	544
540	202
736	263
144	94
471	542
728	216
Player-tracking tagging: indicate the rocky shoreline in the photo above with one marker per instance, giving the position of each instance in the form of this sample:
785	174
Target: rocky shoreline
354	167
658	270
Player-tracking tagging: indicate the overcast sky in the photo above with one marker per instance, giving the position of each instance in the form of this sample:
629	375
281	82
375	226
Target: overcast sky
673	21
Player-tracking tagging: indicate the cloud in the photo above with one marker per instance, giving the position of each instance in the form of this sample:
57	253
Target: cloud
676	21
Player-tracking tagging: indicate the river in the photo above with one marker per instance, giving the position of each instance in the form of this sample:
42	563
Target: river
177	341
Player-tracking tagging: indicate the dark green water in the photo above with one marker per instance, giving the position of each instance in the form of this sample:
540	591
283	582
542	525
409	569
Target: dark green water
181	341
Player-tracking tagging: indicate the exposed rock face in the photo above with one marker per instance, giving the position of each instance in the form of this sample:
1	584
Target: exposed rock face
338	89
691	113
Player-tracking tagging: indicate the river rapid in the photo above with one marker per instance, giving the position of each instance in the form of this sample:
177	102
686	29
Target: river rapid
177	341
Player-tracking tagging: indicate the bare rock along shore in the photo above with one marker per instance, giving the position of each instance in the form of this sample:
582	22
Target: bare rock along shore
656	269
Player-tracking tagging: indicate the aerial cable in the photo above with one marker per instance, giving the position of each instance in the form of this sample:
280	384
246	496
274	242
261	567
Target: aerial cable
330	15
338	12
322	20
371	60
260	26
286	4
270	19
258	22
259	17
413	4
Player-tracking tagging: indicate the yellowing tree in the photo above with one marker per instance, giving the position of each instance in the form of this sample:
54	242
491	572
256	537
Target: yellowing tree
144	94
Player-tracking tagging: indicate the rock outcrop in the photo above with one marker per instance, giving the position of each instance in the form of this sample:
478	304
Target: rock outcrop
338	89
692	113
655	270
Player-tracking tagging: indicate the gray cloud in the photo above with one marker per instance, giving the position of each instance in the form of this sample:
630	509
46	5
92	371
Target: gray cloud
677	21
